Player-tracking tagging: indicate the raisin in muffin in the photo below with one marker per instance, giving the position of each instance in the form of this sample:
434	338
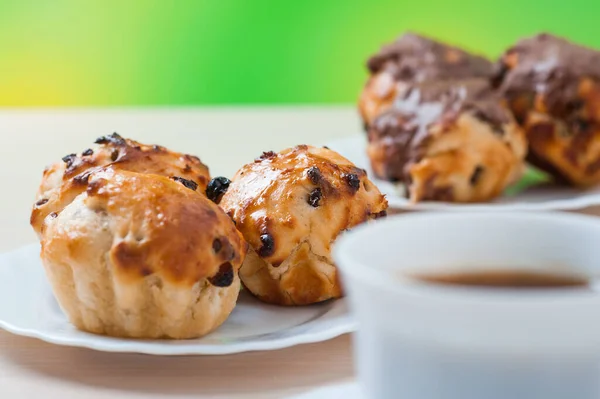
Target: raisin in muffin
448	141
123	154
140	255
414	59
290	207
553	88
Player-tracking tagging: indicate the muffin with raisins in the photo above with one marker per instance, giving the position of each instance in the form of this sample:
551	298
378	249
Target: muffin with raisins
132	246
290	207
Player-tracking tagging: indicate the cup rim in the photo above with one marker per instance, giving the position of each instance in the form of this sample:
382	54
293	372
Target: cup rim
342	254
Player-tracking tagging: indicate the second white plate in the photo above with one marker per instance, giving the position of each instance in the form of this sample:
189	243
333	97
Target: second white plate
532	195
28	307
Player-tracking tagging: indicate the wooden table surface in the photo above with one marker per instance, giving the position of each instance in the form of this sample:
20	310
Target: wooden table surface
224	138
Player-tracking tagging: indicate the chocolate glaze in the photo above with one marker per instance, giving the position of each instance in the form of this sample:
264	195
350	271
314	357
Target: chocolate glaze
545	73
415	58
406	127
550	66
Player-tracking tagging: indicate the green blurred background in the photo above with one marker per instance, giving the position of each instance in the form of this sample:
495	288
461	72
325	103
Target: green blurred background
135	52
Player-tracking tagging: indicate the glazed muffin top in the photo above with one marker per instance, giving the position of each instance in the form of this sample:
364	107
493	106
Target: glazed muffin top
129	155
121	154
416	58
145	225
301	194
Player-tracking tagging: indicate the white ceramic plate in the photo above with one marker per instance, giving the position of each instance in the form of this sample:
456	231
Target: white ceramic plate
532	193
27	307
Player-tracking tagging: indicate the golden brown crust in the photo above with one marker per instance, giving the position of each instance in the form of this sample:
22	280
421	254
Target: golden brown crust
464	161
290	207
448	141
569	149
378	95
121	154
468	163
141	255
160	227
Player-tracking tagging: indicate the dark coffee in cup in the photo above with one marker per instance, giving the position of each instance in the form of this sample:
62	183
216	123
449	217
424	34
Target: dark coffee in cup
518	279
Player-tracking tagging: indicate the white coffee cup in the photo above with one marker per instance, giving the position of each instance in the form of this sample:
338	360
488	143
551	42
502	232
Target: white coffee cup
419	340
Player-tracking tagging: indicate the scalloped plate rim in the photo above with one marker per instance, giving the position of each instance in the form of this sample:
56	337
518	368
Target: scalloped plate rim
322	328
348	147
204	350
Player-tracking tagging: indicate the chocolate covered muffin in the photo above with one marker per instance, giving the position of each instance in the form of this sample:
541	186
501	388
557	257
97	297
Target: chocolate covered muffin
448	141
414	59
552	86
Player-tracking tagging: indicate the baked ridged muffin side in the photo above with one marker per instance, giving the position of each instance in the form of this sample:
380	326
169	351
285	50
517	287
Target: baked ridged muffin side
141	256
